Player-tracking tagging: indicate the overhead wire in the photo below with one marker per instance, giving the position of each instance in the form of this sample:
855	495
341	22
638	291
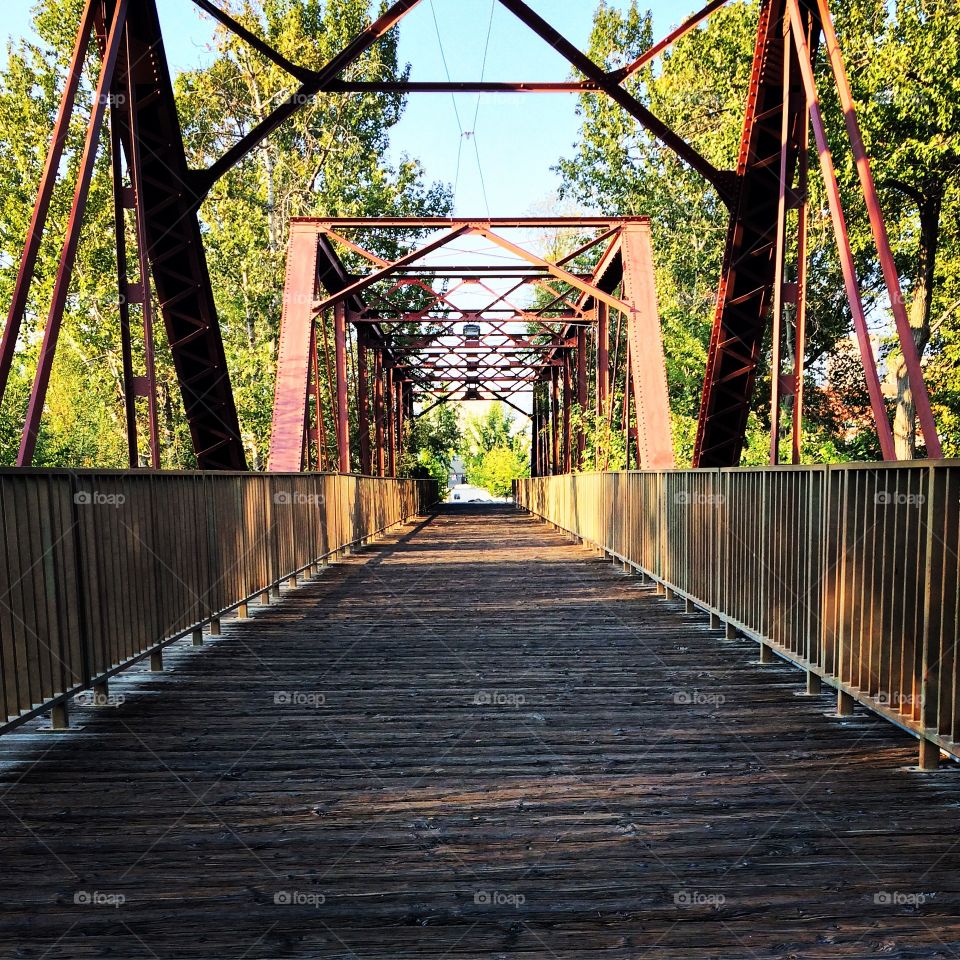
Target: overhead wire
453	99
476	112
470	134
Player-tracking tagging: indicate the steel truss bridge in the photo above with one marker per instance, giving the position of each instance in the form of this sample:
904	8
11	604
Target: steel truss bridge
759	288
312	712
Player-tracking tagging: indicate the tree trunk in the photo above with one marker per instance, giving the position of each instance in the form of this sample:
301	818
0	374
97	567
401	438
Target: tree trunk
921	301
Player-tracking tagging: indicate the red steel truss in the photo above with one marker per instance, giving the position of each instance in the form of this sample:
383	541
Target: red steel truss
763	281
436	326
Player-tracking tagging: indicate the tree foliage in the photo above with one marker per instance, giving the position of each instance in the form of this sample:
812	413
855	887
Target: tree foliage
433	442
493	452
497	470
328	160
904	68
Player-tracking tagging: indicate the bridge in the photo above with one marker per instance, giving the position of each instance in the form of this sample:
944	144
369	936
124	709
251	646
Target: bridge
316	712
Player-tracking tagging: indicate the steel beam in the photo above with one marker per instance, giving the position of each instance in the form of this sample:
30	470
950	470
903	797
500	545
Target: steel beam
648	370
891	277
175	248
748	271
363	408
68	254
378	425
41	207
294	354
847	264
342	384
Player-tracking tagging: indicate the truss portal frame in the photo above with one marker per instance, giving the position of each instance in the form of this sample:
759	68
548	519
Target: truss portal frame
534	324
759	290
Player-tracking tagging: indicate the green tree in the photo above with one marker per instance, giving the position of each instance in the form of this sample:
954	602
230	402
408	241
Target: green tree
492	430
433	442
497	470
904	65
326	160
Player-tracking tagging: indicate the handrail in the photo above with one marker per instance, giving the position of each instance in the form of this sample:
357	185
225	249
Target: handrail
101	569
850	572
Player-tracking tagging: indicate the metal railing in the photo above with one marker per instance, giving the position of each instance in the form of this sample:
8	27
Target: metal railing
850	572
102	569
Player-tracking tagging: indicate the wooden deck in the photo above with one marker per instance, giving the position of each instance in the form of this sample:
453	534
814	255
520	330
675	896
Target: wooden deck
477	740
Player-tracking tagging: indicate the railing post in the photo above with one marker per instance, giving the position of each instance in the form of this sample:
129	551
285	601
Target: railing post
60	716
932	624
81	586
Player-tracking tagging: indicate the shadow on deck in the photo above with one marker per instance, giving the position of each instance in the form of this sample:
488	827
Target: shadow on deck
473	740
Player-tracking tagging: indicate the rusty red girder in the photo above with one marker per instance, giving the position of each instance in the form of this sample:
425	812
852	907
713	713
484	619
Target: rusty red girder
772	180
767	185
445	349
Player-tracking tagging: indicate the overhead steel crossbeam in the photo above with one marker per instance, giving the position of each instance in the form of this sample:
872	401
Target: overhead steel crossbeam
434	335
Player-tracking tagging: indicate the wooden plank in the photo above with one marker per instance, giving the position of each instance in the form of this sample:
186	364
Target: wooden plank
578	809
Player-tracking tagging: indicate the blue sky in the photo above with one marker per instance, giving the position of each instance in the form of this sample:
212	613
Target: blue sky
517	138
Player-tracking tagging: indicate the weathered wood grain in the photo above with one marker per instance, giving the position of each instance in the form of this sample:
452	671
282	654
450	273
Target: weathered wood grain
493	745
